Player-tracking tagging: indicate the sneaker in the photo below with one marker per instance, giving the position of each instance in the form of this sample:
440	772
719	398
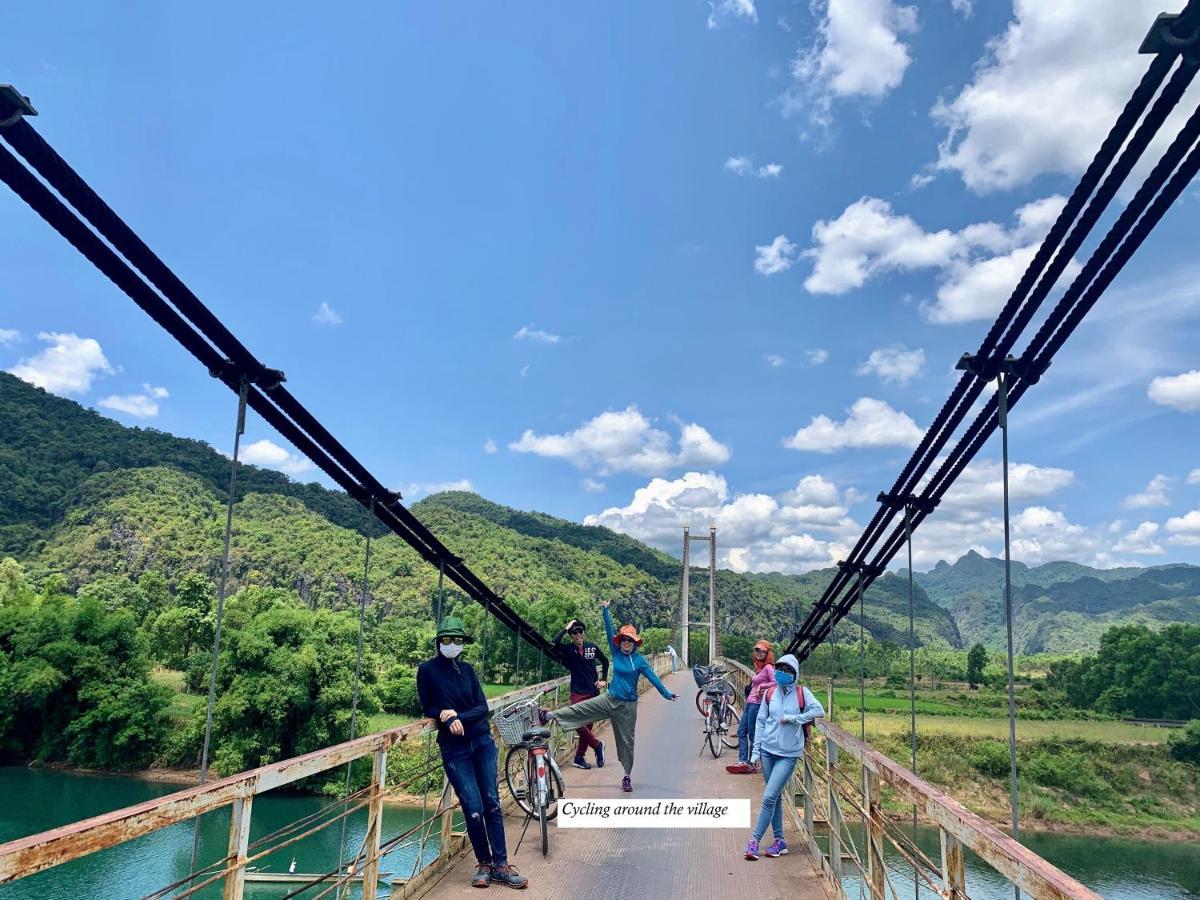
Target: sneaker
545	716
751	849
777	848
581	763
741	768
509	876
600	756
483	876
626	785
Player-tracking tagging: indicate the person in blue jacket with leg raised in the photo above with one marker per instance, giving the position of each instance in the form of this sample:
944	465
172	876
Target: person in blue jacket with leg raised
619	702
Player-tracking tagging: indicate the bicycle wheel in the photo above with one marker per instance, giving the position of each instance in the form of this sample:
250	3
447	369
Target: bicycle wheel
729	730
542	825
557	790
714	738
516	776
703	702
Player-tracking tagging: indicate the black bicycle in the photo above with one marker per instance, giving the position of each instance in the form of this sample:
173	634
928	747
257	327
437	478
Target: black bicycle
530	770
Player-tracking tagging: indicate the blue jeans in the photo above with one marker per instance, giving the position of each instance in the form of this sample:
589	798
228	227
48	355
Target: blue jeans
746	732
473	777
777	771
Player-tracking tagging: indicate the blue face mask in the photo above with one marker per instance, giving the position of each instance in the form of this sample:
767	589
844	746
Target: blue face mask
783	679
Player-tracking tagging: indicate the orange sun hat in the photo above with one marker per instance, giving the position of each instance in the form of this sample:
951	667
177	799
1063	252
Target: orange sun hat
626	631
769	659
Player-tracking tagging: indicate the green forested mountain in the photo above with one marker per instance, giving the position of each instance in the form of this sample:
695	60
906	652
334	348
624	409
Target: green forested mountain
87	498
1060	607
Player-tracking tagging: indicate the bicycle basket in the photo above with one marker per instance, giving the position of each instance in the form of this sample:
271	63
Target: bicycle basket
718	686
515	719
701	673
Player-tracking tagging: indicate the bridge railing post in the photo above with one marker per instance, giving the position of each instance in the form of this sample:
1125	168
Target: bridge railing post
835	814
239	844
954	873
875	868
374	826
808	794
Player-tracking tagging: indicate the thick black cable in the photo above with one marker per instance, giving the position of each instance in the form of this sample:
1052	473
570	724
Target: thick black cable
394	516
1013	315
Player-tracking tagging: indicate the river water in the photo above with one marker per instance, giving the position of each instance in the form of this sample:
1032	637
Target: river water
33	800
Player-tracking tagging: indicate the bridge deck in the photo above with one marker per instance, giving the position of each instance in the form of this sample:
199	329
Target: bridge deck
611	863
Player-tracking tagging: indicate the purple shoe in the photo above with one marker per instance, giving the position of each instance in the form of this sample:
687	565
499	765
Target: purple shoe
626	785
777	848
751	849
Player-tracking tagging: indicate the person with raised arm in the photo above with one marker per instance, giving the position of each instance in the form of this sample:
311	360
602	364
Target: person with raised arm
580	657
619	702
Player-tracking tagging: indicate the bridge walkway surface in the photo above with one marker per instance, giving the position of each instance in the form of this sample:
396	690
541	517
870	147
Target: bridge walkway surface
640	862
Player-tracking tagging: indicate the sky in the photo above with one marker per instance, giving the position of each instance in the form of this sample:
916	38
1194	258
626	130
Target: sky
633	264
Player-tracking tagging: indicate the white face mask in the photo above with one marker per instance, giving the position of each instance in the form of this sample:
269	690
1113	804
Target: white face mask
450	650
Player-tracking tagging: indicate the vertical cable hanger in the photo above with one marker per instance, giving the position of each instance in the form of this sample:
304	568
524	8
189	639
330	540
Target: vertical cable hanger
239	430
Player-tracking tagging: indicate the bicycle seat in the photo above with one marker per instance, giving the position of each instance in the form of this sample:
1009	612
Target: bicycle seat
538	734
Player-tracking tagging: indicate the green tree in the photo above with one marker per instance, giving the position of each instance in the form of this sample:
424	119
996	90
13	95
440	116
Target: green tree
976	662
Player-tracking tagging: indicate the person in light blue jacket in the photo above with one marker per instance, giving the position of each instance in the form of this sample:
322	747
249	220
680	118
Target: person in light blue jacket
785	709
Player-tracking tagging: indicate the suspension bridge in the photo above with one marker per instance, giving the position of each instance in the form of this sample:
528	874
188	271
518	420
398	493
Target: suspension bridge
839	799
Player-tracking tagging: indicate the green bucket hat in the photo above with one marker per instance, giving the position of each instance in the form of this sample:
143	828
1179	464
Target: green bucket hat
452	626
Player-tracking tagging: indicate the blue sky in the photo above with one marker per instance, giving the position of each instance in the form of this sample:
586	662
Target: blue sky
634	264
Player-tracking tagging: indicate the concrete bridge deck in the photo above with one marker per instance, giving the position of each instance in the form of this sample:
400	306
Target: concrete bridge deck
613	863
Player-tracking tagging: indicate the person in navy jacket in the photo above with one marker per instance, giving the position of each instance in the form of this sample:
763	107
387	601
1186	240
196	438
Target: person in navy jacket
580	657
451	695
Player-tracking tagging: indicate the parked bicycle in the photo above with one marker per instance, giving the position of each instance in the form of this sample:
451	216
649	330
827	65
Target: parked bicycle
530	770
715	702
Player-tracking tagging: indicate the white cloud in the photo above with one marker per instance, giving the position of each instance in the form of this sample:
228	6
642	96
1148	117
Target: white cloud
774	360
744	165
524	370
626	441
871	423
1140	541
1047	91
894	364
1185	529
489	446
9	337
1182	392
593	486
963	7
327	315
140	406
270	455
415	489
1155	494
67	366
978	266
722	10
529	333
1194	476
817	357
858	53
980	487
805	528
775	257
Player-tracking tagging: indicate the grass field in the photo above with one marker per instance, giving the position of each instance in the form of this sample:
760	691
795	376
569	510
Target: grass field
1114	732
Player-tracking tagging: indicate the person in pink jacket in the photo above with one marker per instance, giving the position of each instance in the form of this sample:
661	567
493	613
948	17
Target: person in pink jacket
764	675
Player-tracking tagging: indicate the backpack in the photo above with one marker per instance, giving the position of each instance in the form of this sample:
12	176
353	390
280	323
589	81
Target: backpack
807	726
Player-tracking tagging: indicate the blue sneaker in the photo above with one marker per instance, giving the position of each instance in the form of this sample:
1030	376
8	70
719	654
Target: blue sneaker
581	763
778	848
751	849
600	756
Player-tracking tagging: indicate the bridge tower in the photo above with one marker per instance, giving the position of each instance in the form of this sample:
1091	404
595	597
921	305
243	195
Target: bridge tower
685	588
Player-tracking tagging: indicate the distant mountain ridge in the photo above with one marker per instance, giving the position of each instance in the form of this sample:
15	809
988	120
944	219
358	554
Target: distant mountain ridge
1059	607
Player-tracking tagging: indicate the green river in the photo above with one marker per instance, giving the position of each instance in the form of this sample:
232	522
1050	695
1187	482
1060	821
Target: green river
33	800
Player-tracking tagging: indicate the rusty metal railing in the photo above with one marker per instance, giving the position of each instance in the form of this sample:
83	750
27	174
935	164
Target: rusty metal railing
38	852
838	794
